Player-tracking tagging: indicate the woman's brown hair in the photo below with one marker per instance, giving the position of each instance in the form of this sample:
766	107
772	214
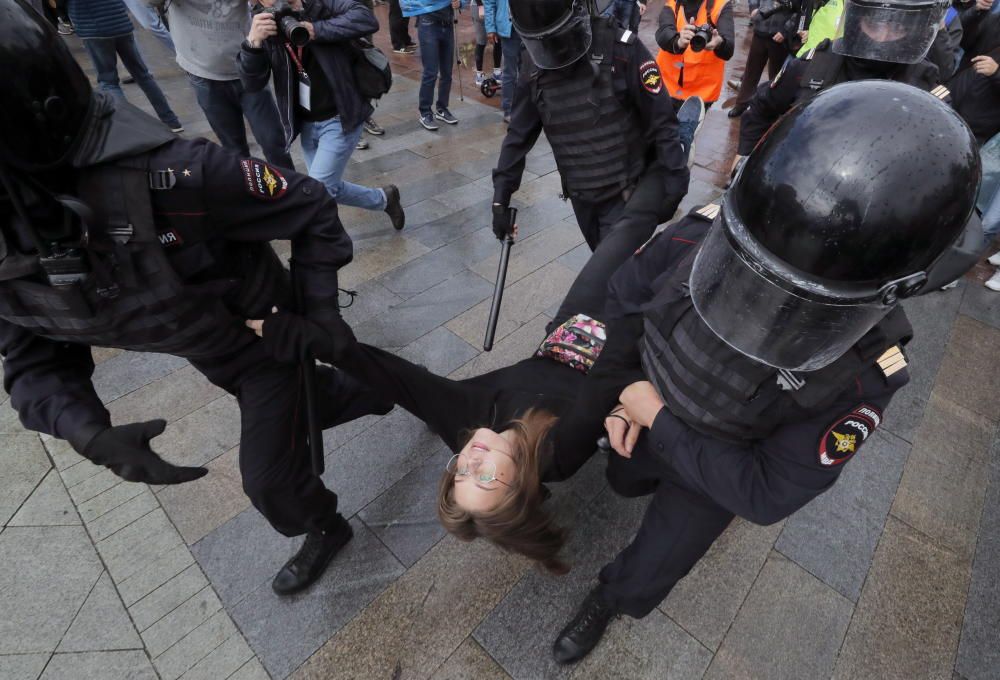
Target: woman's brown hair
518	524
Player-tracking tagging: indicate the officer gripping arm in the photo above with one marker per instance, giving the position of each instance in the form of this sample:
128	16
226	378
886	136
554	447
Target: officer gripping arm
525	126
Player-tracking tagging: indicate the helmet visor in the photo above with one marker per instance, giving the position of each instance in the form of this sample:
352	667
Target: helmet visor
899	33
561	44
760	316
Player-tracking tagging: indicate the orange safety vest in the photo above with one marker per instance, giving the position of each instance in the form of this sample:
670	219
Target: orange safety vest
693	73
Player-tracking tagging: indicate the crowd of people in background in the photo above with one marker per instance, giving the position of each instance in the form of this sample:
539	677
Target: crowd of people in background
229	68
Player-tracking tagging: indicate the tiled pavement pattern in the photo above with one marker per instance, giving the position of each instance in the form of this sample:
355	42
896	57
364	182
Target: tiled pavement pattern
892	574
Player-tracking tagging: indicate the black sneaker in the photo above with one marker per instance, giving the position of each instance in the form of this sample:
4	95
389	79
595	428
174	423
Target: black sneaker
128	80
445	115
373	128
582	634
428	122
361	145
393	207
309	563
738	110
689	119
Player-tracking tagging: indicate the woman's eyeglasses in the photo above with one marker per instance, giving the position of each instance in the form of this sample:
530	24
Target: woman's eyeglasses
483	471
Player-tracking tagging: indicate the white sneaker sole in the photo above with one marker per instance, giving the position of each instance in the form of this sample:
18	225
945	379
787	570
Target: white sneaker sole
994	259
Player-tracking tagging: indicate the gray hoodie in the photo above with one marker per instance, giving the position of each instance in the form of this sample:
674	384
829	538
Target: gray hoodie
208	34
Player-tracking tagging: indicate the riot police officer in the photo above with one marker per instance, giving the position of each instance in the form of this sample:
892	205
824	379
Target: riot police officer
895	40
113	232
598	94
769	327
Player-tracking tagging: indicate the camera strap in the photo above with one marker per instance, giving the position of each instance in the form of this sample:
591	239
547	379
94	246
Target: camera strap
303	77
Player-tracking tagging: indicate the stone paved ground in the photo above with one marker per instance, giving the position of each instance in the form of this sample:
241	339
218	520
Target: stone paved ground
892	574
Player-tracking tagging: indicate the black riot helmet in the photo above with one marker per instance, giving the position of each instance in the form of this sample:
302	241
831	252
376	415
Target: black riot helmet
556	33
895	31
44	93
860	197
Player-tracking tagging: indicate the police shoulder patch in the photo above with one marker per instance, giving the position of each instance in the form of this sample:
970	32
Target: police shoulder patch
843	439
649	75
262	180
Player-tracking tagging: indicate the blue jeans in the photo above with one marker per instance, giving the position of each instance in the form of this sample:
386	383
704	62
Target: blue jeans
149	19
437	51
511	65
991	220
225	102
104	52
327	148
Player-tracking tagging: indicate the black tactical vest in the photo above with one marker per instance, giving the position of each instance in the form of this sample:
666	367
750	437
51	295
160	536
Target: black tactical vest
597	142
724	394
133	298
826	68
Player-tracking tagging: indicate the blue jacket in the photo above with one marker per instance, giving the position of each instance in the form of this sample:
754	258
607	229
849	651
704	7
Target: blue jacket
336	23
99	18
413	8
498	17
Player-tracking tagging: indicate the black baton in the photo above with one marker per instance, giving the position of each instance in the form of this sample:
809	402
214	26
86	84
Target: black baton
491	326
314	433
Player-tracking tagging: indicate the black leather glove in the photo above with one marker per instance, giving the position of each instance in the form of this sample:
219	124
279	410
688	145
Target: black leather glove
125	451
503	221
287	337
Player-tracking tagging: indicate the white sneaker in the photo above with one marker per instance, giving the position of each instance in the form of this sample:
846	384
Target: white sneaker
994	282
497	74
479	78
994	259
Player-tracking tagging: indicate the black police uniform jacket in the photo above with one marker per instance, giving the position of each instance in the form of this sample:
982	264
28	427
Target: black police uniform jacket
796	436
607	116
180	258
817	70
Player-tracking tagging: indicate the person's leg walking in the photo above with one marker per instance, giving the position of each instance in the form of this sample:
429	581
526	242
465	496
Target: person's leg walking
511	48
223	113
150	20
262	113
446	59
128	50
102	53
399	26
333	149
756	60
776	55
429	59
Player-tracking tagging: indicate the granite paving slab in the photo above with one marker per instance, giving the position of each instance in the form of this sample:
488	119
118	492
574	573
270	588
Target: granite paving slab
156	573
366	466
285	631
168	597
102	623
519	632
195	646
532	253
970	372
943	484
117	665
706	601
981	304
381	255
202	435
804	619
22	666
126	372
463	220
171	397
24	465
173	627
440	351
405	517
132	549
440	264
931	317
222	661
422	617
39	596
48	505
519	345
979	650
908	620
834	536
199	507
422	313
372	299
470	662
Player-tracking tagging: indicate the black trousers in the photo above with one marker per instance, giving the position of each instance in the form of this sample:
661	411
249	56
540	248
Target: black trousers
647	206
399	26
763	51
275	464
678	528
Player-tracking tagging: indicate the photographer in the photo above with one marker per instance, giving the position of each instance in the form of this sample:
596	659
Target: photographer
307	47
701	67
775	26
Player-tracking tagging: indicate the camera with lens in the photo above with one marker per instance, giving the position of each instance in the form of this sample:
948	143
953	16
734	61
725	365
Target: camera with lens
288	22
702	35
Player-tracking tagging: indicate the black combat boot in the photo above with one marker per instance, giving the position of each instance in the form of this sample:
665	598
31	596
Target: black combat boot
309	563
582	634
